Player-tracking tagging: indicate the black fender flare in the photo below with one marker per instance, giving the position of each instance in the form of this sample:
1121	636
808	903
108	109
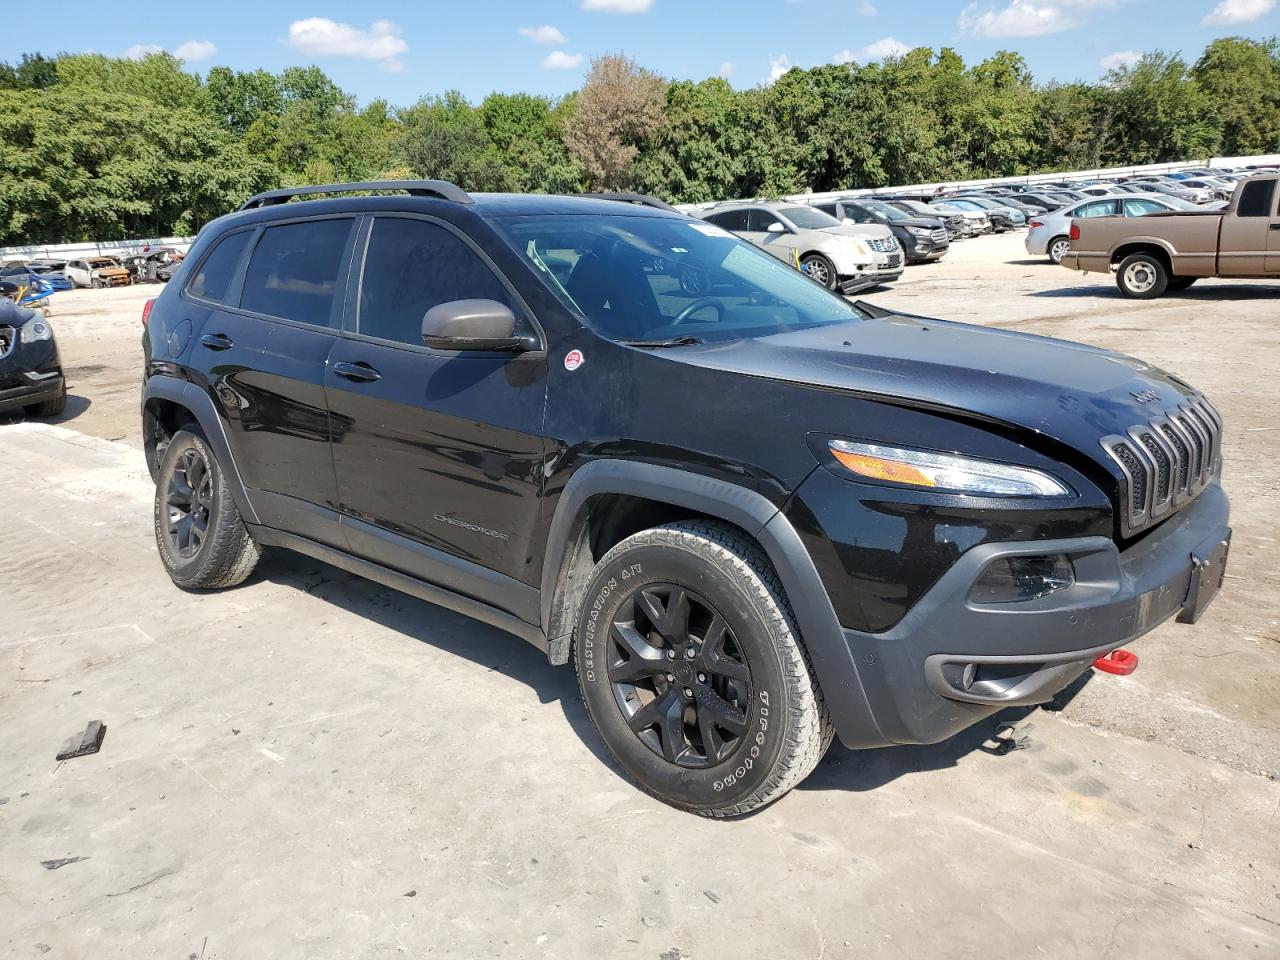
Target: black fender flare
199	404
821	633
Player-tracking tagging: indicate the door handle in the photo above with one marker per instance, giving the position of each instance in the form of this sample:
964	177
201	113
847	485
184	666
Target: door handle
217	341
359	372
1275	226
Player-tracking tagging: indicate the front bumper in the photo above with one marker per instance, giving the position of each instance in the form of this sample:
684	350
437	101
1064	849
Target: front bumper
30	373
926	248
35	389
865	281
914	675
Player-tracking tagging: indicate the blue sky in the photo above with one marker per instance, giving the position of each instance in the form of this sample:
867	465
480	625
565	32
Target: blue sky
404	50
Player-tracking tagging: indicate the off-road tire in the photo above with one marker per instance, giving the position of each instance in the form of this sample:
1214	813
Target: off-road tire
49	408
228	552
1139	265
823	270
788	727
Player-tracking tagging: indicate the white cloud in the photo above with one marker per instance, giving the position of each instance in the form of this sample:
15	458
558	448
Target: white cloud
322	37
559	60
868	9
543	34
618	6
726	70
778	66
1121	58
1238	11
1026	18
879	50
194	51
140	50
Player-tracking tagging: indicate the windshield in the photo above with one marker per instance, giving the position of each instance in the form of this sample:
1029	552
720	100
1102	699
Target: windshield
638	278
884	211
809	218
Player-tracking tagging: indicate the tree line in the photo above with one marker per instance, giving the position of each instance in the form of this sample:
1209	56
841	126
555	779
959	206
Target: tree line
96	148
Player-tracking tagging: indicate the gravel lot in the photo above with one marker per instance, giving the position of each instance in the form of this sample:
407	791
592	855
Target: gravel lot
313	766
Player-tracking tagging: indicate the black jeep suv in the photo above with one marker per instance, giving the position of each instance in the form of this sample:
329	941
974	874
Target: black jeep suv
753	517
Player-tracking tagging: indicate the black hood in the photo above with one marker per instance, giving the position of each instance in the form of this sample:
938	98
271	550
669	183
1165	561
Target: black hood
1070	392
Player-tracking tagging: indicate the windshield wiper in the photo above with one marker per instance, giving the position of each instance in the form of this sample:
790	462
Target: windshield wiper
661	344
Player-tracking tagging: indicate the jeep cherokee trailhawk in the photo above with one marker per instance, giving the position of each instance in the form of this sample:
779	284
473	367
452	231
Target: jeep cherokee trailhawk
753	516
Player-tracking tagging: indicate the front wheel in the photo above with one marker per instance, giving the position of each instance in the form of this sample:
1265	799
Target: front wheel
203	542
1142	276
1058	248
692	670
52	407
821	269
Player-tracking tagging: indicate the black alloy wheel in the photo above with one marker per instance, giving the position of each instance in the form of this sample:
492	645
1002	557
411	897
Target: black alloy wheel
188	502
679	676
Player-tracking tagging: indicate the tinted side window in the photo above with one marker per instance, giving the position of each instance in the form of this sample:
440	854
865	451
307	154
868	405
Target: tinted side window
412	266
214	275
294	271
733	220
1255	200
760	220
828	208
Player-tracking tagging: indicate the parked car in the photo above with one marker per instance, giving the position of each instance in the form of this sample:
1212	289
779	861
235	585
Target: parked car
953	221
1219	189
1049	235
1171	251
144	267
975	216
30	368
27	273
838	256
921	238
1002	216
96	272
752	521
1012	203
1195	195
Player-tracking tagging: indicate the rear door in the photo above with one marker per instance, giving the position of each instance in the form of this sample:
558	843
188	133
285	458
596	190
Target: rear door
1245	243
438	453
264	346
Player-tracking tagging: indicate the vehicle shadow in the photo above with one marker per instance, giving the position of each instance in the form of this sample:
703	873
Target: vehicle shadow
1211	293
1000	735
453	633
76	405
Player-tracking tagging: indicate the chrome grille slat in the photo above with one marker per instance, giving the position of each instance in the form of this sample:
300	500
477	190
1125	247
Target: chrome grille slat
1166	462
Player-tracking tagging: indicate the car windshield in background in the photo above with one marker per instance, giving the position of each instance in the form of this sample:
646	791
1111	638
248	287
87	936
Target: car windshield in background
809	218
884	211
655	280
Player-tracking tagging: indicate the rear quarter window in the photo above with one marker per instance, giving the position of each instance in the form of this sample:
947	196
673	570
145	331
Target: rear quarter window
212	279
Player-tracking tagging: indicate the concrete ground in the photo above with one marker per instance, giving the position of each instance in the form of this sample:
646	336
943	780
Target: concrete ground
312	766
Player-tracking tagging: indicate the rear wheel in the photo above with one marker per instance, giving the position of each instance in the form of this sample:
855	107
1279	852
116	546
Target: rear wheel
1142	276
692	670
202	540
1058	248
821	269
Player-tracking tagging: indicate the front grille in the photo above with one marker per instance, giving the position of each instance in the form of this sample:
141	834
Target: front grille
883	244
938	235
7	337
1166	462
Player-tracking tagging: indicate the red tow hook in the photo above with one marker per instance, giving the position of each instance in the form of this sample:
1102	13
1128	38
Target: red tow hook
1120	662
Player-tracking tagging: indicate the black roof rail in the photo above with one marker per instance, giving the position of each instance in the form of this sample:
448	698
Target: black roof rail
416	188
640	199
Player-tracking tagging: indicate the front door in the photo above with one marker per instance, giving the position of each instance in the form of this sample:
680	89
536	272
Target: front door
439	461
1245	243
264	349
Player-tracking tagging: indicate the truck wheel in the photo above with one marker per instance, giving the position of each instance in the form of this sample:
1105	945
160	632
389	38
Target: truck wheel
202	540
1181	283
692	670
1142	276
821	269
1058	248
49	408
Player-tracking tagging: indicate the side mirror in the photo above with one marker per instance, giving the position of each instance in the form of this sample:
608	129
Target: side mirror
473	325
775	227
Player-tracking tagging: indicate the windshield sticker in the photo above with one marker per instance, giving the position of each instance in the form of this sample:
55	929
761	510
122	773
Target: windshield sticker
710	230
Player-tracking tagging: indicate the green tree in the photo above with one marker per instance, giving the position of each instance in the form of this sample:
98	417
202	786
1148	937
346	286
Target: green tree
444	138
528	132
1162	113
237	98
34	72
1242	79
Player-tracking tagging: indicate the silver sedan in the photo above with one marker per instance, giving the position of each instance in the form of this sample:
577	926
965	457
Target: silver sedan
1049	234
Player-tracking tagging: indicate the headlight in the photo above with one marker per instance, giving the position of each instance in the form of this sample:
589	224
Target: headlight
919	231
944	471
35	330
859	246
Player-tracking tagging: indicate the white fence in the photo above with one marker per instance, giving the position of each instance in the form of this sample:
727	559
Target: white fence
77	251
927	189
